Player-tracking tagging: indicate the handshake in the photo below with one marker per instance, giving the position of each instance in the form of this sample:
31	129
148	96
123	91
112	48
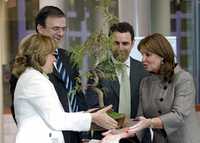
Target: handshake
117	124
108	119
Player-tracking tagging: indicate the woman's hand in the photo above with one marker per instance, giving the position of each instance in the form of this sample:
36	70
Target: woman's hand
92	110
142	124
114	135
103	120
111	138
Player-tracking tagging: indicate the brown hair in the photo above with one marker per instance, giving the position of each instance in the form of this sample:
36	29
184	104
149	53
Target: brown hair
159	45
32	52
122	27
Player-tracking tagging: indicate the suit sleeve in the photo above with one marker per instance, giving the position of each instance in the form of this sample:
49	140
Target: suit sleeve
42	96
183	104
13	82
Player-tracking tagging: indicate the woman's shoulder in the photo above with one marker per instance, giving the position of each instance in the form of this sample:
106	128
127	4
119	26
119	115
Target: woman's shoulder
181	74
31	75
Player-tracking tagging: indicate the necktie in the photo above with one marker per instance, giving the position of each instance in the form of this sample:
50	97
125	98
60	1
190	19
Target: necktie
124	99
73	107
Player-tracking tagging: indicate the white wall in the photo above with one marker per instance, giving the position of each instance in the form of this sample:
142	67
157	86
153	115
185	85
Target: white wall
136	54
160	16
137	13
146	16
58	3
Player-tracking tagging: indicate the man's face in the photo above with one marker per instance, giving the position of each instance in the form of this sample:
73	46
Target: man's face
54	27
122	45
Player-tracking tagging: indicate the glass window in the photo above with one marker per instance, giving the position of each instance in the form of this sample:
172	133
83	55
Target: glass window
184	25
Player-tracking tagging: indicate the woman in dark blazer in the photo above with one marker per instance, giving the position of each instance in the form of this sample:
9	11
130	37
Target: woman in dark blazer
167	98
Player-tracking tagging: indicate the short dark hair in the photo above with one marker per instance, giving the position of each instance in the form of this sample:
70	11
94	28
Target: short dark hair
47	11
122	27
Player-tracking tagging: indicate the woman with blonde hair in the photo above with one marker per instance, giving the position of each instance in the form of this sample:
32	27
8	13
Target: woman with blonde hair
39	113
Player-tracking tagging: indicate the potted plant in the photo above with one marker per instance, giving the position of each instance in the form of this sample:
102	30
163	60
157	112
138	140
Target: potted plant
98	49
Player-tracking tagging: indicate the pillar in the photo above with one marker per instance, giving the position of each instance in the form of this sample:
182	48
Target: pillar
160	16
58	3
3	58
137	13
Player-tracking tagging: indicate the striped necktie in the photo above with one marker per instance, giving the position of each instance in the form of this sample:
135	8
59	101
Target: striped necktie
63	75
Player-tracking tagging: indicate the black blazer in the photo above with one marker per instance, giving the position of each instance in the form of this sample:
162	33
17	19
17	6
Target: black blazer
72	71
112	87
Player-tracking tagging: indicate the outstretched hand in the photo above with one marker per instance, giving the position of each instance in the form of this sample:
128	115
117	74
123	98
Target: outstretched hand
114	135
142	124
92	110
103	120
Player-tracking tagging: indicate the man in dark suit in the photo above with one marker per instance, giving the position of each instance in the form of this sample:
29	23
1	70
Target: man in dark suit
123	37
51	21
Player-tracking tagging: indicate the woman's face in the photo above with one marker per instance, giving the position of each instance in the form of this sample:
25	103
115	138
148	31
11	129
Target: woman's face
48	66
151	61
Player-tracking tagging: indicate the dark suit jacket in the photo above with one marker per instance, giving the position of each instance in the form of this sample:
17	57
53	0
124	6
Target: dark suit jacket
111	89
69	136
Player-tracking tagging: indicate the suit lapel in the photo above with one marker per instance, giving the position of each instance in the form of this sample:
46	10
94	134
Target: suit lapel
137	72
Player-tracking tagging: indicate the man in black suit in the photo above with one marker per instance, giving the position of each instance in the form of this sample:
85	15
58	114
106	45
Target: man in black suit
123	37
51	21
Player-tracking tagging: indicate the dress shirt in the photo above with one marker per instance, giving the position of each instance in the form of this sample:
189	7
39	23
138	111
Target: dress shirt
125	95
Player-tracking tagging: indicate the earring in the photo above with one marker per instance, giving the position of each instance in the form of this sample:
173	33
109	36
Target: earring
162	61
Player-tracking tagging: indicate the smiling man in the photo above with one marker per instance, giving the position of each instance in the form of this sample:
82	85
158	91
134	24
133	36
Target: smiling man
123	37
53	26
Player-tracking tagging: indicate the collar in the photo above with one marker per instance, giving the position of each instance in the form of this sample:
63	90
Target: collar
127	62
177	69
45	75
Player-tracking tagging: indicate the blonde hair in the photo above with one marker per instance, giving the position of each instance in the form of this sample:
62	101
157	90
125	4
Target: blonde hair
32	52
159	45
